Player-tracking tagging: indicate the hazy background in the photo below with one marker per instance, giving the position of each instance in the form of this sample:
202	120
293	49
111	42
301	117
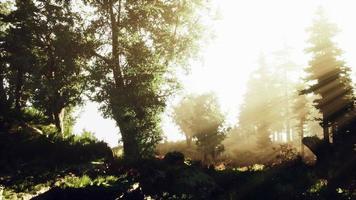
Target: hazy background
245	29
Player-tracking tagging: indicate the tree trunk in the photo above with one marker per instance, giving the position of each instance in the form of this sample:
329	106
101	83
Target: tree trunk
18	90
127	129
326	131
58	120
130	143
280	137
288	138
115	62
286	89
3	98
301	138
333	132
205	158
188	140
2	88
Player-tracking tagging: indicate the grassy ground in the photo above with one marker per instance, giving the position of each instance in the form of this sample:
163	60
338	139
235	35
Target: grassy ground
42	167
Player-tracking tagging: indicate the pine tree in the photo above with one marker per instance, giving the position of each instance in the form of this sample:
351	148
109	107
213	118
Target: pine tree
301	109
328	76
4	27
258	111
285	68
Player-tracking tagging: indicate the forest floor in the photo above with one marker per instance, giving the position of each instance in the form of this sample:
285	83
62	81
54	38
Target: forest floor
41	167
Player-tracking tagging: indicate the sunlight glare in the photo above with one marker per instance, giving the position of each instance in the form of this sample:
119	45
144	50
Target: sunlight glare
246	29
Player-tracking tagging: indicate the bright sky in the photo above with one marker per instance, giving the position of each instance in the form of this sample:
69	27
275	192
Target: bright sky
246	28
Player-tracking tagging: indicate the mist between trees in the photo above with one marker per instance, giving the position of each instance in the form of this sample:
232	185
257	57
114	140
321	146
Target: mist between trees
52	57
125	54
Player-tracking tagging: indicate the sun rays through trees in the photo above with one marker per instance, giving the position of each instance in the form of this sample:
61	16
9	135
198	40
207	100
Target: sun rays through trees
261	114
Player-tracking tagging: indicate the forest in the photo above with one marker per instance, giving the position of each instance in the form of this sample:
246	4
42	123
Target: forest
293	137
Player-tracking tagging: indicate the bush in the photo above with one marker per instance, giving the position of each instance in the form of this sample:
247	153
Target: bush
189	151
20	150
286	153
174	157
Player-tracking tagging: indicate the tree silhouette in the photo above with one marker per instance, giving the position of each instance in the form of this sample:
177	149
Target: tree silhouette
302	107
285	68
328	76
260	98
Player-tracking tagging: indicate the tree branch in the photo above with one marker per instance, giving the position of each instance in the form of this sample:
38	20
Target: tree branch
108	61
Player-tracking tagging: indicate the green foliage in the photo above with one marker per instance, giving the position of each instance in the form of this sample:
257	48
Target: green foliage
164	180
200	117
31	162
33	115
117	151
68	121
107	180
147	41
17	57
46	65
318	186
77	181
86	137
61	84
49	130
31	149
85	180
26	193
45	53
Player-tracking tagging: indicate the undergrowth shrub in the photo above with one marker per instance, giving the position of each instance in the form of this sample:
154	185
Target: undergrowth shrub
174	157
19	150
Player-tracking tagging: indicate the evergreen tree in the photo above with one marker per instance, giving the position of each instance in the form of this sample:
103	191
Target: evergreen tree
301	109
285	68
4	27
258	111
328	76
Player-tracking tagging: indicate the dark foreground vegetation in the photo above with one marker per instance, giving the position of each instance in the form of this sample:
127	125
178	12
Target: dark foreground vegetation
33	164
125	55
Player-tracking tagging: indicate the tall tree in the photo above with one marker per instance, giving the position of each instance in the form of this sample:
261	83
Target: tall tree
286	68
4	26
62	52
201	117
45	52
328	76
258	112
182	116
17	59
142	41
301	109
